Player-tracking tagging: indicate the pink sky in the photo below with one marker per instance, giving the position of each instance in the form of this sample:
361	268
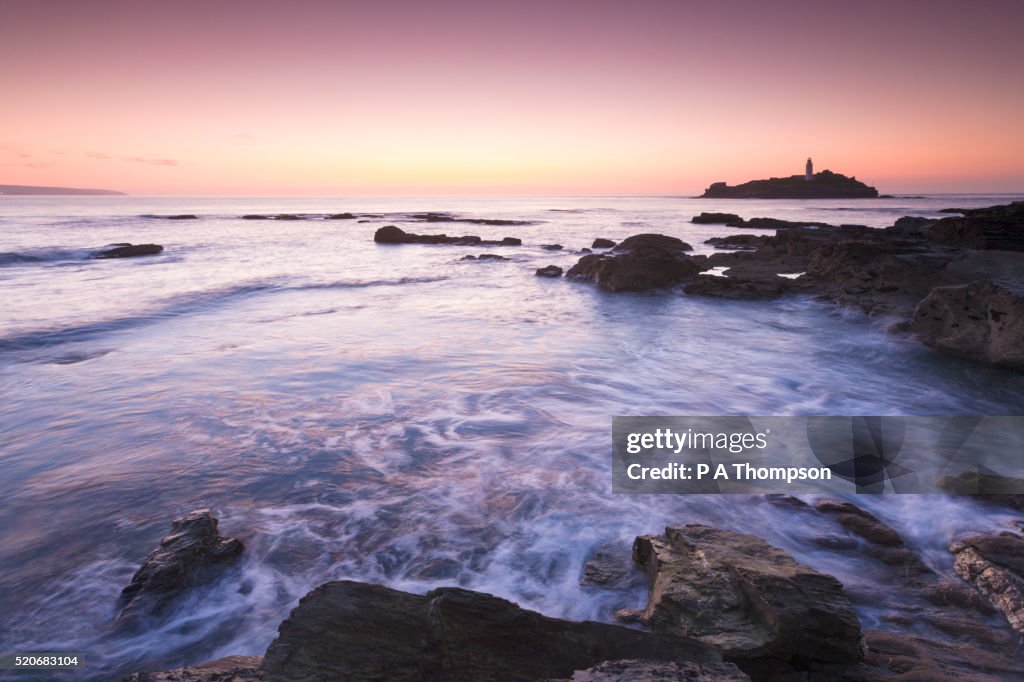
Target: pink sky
552	97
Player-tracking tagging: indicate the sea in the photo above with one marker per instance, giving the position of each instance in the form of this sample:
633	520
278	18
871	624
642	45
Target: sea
395	414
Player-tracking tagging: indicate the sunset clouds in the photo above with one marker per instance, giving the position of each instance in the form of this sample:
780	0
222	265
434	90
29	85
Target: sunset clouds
527	97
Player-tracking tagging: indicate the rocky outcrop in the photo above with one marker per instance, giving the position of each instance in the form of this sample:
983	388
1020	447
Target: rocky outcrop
130	251
552	247
658	671
995	227
748	598
341	216
741	241
706	218
994	564
228	669
449	218
643	261
193	553
549	271
981	320
601	243
391	234
346	630
823	185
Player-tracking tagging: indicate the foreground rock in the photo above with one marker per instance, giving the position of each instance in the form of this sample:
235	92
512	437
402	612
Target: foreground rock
995	227
823	185
640	262
355	631
742	288
391	234
193	553
982	320
994	564
228	669
130	251
658	671
748	598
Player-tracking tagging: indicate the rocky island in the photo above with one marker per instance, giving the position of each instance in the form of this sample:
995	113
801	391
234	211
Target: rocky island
810	185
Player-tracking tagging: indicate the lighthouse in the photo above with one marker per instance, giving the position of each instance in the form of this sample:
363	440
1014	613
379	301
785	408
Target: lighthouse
809	170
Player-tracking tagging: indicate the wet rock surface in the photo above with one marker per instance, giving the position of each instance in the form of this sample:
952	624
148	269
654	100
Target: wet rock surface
658	671
982	321
228	669
986	488
130	251
193	553
994	565
994	227
601	243
748	598
640	262
348	630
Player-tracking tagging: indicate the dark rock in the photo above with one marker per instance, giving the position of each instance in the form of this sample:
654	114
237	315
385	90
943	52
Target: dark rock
391	234
131	251
289	216
893	655
994	564
745	596
484	256
913	225
341	216
741	241
777	224
716	218
180	216
601	243
354	631
612	569
227	669
653	242
981	320
823	185
658	671
643	261
586	250
994	227
193	553
738	287
255	216
549	271
884	543
449	218
986	488
552	247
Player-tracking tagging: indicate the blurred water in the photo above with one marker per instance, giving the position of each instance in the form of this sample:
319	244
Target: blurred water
393	414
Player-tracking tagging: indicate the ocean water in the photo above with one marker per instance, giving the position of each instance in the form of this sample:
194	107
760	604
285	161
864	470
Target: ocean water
394	414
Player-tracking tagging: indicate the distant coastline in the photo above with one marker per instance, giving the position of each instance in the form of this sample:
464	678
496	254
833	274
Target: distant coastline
23	190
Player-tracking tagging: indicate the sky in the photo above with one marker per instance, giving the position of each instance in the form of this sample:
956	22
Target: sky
258	97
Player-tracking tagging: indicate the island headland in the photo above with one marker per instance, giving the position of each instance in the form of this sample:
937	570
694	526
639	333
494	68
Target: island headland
810	185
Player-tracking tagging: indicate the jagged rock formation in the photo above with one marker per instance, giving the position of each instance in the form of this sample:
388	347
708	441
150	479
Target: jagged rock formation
643	261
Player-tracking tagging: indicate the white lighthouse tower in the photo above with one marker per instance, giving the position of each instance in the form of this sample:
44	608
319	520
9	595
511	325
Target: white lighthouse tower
809	170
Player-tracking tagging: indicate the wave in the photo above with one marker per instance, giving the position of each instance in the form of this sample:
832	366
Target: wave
43	255
176	306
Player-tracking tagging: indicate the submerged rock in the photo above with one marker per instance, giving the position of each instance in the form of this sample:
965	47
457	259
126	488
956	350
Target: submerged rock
643	261
131	251
748	598
994	564
347	630
716	218
601	243
484	256
549	271
341	216
981	320
193	553
552	247
392	234
739	287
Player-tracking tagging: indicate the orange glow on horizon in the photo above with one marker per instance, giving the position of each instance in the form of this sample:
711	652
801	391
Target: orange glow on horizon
562	97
